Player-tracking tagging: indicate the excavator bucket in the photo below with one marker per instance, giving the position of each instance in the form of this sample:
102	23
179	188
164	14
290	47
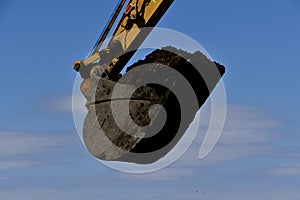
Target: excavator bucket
140	116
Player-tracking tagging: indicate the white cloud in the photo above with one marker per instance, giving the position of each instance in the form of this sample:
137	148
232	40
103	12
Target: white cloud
69	103
4	178
247	132
14	143
34	194
63	103
17	164
295	155
288	170
167	174
264	193
248	125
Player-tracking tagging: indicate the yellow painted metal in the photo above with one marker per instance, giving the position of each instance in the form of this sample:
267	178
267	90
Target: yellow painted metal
129	33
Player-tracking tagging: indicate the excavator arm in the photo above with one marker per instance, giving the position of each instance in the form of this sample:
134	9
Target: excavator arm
114	132
127	37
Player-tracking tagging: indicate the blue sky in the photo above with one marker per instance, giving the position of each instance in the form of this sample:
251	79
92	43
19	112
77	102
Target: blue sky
257	157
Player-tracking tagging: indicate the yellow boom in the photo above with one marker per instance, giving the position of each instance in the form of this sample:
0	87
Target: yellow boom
127	37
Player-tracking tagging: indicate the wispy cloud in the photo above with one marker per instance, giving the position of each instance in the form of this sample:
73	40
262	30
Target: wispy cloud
287	170
17	164
247	132
248	125
264	193
166	174
39	193
17	149
17	143
4	178
67	102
